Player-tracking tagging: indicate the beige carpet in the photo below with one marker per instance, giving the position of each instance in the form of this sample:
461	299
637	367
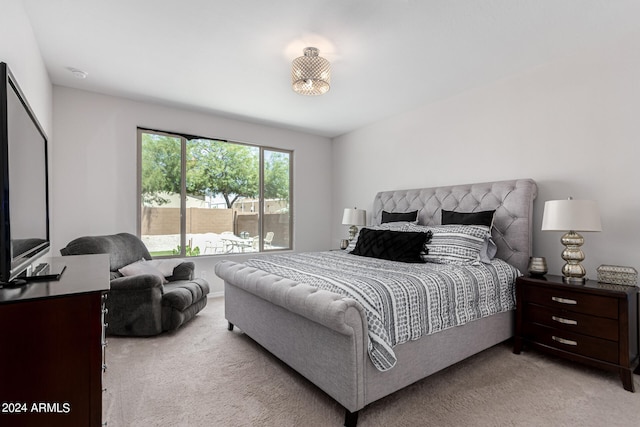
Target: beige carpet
203	375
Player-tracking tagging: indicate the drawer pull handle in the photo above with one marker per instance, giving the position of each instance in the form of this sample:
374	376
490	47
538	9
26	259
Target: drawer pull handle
565	321
564	341
564	300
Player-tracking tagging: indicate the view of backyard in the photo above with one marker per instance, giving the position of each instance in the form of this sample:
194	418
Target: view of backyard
203	244
215	196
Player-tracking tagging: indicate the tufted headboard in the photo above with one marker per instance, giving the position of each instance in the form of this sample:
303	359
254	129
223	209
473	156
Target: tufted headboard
512	200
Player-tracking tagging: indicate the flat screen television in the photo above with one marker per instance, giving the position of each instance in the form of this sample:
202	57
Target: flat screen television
24	214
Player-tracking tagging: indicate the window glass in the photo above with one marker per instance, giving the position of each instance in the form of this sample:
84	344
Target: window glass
236	196
277	196
160	183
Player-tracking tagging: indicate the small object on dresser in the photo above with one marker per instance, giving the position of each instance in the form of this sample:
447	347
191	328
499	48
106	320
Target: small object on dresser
344	243
537	266
618	275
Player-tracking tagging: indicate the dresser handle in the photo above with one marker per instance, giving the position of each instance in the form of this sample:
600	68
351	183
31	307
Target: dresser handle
564	341
564	300
565	321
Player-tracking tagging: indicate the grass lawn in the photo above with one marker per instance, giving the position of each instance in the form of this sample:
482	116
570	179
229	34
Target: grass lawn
161	253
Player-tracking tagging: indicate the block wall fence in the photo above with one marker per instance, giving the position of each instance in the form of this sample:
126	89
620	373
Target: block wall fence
162	221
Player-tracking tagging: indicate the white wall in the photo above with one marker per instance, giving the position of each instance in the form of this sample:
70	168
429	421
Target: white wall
95	174
572	125
18	48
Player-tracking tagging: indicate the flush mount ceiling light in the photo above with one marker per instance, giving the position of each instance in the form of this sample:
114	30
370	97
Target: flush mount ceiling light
311	74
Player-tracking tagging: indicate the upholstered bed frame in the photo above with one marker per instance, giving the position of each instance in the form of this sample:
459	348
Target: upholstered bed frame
324	337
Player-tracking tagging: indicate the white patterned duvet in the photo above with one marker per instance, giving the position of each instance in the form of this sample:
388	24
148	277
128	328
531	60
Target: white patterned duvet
402	301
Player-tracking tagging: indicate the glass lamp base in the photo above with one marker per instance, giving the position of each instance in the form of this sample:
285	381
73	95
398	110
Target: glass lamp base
574	280
573	271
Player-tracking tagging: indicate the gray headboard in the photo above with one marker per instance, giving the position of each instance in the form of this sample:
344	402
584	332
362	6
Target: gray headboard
512	200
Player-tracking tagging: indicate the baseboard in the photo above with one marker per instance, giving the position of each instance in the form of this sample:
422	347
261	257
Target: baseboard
215	294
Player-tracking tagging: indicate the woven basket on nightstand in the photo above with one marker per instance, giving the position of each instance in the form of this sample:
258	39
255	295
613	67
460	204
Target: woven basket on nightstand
617	275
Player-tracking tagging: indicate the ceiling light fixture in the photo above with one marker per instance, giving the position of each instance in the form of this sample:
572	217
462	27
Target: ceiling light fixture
311	74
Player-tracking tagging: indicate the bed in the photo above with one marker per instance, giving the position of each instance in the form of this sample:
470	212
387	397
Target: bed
326	336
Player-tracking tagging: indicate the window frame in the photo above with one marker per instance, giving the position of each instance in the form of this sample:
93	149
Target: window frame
183	188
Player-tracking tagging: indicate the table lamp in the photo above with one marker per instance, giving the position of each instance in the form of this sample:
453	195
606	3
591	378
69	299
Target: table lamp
354	217
572	215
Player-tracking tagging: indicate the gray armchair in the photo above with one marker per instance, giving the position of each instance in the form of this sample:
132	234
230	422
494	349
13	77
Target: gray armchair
142	305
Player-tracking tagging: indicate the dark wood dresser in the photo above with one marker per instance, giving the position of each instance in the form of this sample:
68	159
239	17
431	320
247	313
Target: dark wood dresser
52	347
593	323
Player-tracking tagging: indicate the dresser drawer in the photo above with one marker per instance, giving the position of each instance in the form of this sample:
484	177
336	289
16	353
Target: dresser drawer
579	302
599	327
584	345
592	323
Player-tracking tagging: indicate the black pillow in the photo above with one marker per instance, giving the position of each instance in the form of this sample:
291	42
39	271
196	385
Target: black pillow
403	246
468	218
399	216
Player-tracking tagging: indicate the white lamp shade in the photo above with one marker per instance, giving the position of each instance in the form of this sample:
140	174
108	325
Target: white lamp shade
571	215
354	217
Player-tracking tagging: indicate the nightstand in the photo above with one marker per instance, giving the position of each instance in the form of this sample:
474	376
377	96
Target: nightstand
593	323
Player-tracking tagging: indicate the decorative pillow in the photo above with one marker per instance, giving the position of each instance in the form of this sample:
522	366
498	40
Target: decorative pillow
468	218
165	266
141	267
391	245
399	216
394	226
455	244
411	227
489	248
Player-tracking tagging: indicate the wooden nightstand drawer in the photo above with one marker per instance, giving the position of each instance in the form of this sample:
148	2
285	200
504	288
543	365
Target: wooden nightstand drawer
579	302
599	327
575	343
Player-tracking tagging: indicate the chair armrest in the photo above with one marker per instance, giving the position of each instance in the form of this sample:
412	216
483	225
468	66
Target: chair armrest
183	271
135	305
136	283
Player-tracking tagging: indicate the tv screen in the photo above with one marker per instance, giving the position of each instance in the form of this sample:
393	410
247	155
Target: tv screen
25	222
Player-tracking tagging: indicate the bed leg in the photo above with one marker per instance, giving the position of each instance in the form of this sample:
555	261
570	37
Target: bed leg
229	326
350	419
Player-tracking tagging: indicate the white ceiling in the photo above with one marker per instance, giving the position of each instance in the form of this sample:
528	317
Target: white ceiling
233	57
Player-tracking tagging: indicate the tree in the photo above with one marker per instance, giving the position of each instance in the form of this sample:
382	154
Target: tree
160	167
213	167
276	175
218	167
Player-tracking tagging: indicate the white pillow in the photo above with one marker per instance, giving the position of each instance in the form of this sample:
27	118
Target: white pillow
488	249
141	267
165	266
457	244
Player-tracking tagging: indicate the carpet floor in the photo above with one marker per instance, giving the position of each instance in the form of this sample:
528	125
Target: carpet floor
204	375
